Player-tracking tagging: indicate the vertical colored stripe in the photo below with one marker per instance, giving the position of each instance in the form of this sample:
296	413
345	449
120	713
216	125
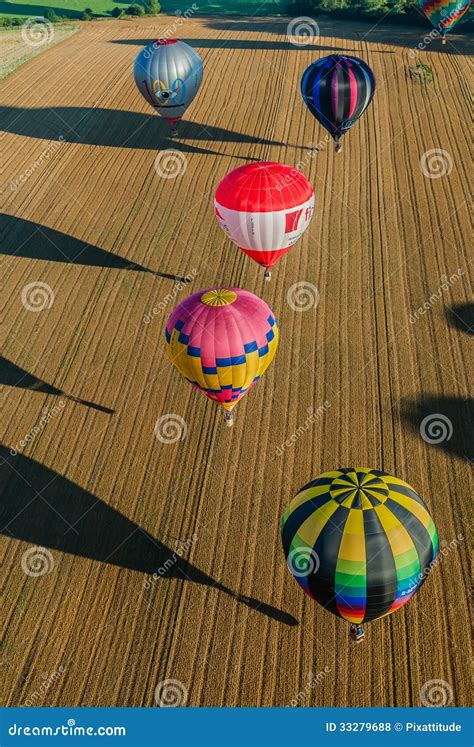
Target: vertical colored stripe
381	572
326	547
350	580
335	93
405	556
353	91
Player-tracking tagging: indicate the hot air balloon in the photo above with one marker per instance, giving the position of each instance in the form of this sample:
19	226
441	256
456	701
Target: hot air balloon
264	208
337	89
359	542
222	340
444	14
168	74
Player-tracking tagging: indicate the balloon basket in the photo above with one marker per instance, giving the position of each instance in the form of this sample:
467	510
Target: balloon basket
338	147
229	419
173	125
443	40
267	276
357	633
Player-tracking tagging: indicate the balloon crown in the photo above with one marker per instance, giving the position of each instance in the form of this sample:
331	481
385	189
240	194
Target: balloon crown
359	489
165	42
218	297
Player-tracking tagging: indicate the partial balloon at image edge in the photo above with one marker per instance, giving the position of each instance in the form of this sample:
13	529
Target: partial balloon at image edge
442	19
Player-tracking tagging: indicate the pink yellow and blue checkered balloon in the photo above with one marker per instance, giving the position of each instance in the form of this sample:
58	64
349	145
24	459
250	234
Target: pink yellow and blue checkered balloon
222	340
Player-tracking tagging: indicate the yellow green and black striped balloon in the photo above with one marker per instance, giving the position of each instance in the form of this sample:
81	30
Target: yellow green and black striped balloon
359	541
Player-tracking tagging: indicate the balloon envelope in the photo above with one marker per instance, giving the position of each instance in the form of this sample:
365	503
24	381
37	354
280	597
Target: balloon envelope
264	208
337	90
444	14
222	341
168	74
359	542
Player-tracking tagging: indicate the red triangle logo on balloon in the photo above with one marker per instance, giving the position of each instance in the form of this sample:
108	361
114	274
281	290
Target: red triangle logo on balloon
292	220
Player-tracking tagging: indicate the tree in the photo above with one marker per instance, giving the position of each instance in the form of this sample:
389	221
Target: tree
117	12
152	7
50	15
293	7
135	10
373	5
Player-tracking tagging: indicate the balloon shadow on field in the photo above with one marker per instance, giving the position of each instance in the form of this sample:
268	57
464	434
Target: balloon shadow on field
24	238
117	128
16	377
443	422
461	316
286	46
392	34
60	515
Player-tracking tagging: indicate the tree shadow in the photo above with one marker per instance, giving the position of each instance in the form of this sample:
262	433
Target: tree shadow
461	316
445	422
14	376
58	514
34	11
117	128
25	238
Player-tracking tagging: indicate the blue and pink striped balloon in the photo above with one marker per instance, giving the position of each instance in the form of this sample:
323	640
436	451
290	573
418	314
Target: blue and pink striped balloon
337	89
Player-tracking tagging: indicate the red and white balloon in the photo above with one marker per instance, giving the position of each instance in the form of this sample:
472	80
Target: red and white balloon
264	208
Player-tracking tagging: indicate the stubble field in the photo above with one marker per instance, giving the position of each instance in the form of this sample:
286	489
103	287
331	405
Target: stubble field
88	215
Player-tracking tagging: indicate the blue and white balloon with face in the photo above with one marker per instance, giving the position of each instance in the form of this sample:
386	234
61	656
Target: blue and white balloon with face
168	74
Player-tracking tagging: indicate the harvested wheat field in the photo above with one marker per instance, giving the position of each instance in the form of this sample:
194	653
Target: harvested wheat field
97	497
